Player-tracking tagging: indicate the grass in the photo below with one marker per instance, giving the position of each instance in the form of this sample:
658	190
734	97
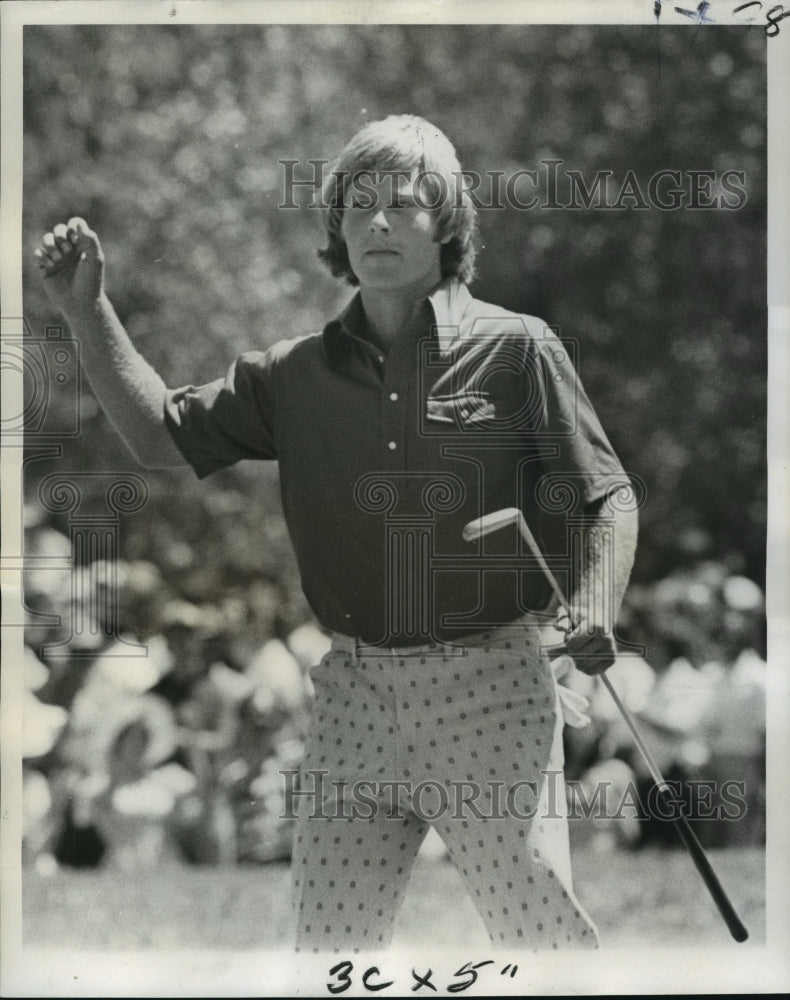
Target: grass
646	898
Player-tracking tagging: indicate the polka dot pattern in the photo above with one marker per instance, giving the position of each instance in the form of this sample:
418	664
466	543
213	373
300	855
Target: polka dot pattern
476	743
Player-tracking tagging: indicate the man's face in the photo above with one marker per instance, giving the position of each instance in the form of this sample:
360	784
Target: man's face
390	235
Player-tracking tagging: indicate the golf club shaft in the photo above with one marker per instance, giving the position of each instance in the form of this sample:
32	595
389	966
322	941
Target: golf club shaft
499	519
683	827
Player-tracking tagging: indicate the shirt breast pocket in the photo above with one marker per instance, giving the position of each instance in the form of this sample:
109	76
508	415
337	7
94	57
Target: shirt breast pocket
461	411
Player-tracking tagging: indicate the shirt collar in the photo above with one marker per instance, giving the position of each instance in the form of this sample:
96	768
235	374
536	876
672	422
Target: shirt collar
448	302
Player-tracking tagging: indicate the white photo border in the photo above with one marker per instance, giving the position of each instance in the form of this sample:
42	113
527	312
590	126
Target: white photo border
754	969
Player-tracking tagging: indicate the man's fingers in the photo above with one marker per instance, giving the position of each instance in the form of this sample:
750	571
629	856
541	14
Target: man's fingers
594	652
50	247
593	662
74	240
584	642
79	232
593	665
76	226
62	240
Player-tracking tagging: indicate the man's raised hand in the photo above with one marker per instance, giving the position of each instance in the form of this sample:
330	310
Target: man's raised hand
72	263
128	389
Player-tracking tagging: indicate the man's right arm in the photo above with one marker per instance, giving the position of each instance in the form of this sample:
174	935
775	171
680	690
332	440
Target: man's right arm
128	389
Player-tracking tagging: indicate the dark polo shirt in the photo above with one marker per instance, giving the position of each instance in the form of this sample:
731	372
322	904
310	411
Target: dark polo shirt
383	460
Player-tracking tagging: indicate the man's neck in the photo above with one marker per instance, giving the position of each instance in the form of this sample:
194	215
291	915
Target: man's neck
390	315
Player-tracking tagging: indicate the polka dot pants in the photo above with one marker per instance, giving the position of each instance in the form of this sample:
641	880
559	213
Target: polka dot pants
469	744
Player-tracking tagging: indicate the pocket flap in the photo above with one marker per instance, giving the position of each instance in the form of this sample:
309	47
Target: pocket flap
461	410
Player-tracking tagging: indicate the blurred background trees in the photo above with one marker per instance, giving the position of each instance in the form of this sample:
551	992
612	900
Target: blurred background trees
168	140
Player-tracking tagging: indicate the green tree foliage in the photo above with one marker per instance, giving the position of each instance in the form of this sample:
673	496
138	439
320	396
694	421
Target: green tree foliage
168	139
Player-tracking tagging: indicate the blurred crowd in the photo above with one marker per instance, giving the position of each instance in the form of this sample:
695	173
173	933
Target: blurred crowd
153	730
692	673
158	730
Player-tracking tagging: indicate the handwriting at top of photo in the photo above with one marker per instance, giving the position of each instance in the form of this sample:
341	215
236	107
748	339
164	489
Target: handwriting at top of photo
701	14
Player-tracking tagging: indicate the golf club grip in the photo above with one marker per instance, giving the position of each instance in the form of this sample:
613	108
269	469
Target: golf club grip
709	877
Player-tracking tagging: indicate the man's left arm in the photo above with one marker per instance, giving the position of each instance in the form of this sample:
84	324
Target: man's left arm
598	593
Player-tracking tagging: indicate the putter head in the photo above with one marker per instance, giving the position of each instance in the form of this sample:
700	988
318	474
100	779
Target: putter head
491	522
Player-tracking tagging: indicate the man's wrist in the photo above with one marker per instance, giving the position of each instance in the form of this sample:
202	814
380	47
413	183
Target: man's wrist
586	615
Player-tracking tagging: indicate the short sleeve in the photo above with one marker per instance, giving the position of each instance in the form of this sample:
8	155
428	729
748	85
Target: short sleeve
581	457
230	419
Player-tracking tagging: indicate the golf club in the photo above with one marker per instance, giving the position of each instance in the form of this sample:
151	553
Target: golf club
512	515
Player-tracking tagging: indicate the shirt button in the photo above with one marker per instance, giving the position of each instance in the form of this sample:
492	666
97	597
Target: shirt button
392	445
394	397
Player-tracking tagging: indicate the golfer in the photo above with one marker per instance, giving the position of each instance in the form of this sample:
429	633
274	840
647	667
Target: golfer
418	409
